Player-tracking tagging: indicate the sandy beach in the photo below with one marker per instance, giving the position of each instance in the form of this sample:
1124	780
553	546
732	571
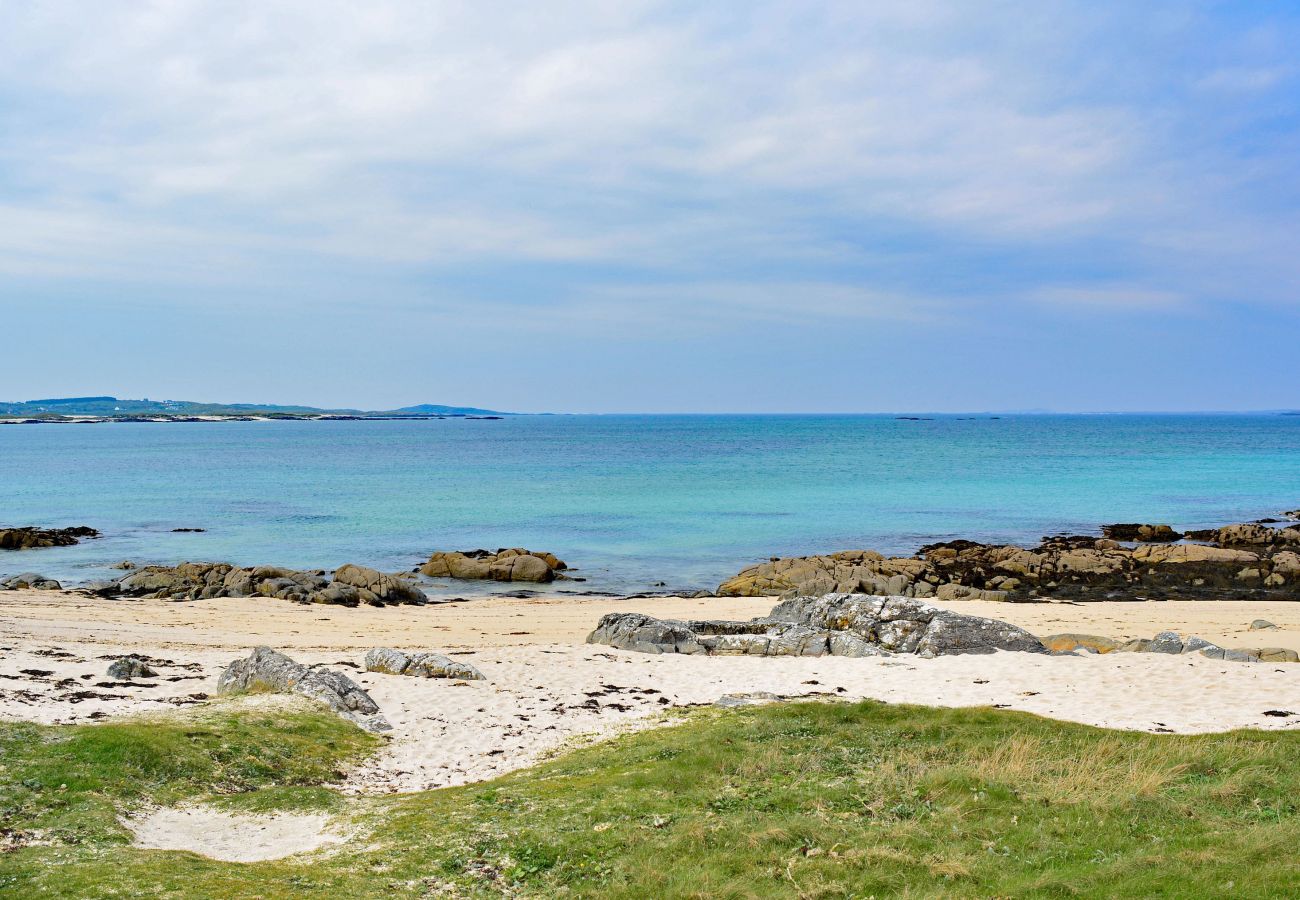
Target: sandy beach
545	688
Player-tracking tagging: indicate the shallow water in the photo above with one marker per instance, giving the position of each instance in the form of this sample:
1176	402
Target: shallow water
628	500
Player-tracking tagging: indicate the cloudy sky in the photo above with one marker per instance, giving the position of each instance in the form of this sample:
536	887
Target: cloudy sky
639	206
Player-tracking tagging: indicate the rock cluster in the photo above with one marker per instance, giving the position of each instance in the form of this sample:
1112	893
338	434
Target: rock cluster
514	564
1147	534
420	665
1247	561
28	537
834	624
1166	642
351	584
29	580
266	671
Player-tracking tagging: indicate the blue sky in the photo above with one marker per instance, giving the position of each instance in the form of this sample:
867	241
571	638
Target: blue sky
644	206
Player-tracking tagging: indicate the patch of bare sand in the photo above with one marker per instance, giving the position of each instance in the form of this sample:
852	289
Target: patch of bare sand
232	837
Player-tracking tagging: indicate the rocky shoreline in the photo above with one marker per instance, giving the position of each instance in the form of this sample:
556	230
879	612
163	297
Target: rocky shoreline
1130	561
1244	561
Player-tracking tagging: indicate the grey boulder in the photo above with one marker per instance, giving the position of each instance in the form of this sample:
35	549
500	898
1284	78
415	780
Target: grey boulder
29	580
266	671
421	665
834	624
129	667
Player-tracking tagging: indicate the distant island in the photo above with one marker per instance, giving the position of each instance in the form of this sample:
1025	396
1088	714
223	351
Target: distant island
102	409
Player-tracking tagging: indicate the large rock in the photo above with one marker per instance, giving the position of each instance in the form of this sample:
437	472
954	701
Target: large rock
266	671
833	624
421	665
377	588
515	564
29	537
1140	533
29	581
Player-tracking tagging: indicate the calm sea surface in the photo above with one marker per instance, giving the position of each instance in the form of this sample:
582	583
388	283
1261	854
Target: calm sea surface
628	500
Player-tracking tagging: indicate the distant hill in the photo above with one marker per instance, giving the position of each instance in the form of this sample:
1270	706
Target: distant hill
114	408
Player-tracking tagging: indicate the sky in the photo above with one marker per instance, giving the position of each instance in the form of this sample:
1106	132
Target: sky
901	205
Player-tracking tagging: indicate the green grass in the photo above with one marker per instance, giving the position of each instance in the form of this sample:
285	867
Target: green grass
799	800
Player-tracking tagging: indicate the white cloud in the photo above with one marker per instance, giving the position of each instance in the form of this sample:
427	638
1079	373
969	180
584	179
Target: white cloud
221	140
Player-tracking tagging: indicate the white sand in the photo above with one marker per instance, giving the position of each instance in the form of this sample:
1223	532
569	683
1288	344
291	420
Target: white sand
232	837
545	688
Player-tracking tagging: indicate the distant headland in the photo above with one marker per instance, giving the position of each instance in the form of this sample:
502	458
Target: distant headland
112	409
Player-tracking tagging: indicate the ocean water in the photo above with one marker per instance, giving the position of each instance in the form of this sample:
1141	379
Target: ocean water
629	501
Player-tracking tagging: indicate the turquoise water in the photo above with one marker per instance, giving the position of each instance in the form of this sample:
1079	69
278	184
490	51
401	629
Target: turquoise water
628	500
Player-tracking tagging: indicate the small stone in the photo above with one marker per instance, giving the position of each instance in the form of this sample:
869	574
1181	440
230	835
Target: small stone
752	698
1262	625
129	667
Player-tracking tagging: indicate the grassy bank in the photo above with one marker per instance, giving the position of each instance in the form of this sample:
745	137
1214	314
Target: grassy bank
807	800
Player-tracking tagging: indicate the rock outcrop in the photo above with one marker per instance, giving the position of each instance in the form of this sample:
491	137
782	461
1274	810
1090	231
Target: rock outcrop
1140	533
514	564
29	537
420	665
377	588
351	584
834	625
29	581
266	671
1242	561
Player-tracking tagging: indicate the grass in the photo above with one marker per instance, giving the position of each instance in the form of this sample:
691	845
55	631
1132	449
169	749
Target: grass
799	800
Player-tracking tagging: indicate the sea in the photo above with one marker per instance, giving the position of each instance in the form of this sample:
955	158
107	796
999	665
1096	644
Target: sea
632	502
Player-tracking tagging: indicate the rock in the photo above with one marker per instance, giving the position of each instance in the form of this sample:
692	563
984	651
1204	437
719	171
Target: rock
1228	655
1199	645
1141	533
1262	625
1286	563
125	565
266	671
29	581
645	634
1278	654
1247	534
750	698
1136	645
29	537
129	667
422	665
375	587
515	564
836	624
186	581
1184	554
1066	643
1165	642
